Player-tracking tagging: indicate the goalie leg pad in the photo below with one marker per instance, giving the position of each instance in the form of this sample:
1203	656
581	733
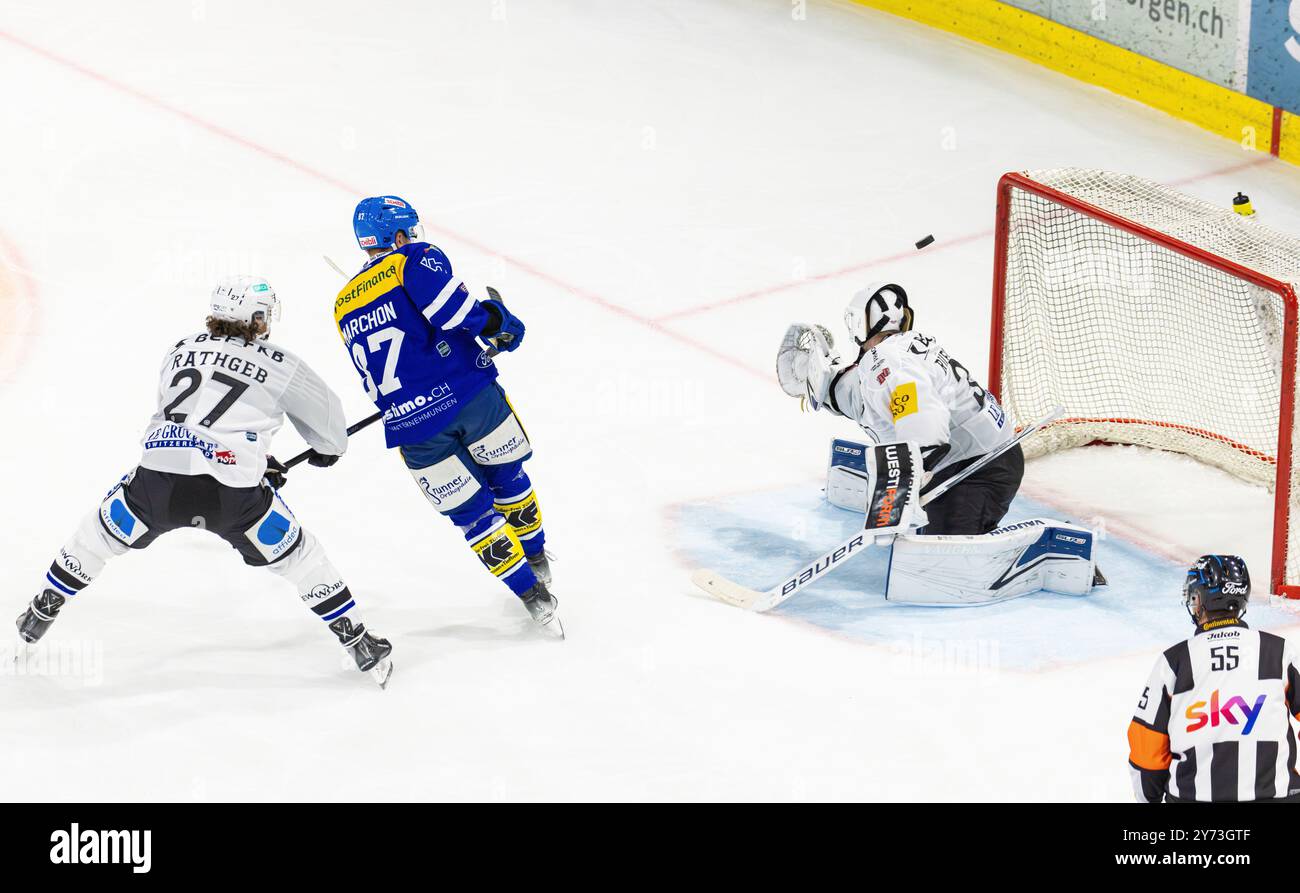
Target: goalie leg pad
1016	560
848	483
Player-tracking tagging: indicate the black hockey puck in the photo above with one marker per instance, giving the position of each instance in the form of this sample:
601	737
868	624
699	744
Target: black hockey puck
926	241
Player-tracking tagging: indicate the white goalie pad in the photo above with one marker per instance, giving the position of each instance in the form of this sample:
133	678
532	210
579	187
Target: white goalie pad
1016	560
847	479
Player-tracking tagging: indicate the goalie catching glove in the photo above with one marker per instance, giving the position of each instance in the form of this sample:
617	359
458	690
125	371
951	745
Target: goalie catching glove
806	364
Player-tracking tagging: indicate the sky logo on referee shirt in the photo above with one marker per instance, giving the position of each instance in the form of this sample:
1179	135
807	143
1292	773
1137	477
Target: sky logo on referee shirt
1224	713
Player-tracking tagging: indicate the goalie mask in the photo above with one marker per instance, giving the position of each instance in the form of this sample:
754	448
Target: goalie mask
1217	583
880	307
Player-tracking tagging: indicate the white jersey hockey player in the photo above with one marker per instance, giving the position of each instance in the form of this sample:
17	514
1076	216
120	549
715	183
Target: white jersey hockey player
902	386
222	395
1213	723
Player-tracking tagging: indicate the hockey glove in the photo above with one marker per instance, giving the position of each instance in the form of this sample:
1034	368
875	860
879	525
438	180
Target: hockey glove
321	460
275	473
504	328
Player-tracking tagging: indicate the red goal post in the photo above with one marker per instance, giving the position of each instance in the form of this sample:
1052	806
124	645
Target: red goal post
1156	319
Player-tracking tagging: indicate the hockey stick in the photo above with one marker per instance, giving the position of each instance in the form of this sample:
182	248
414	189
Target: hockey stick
364	423
751	599
337	269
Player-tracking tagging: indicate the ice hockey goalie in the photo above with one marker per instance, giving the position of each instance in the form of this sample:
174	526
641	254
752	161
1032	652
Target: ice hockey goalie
903	387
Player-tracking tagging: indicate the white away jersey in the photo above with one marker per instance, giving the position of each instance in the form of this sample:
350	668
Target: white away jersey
908	388
221	400
1214	721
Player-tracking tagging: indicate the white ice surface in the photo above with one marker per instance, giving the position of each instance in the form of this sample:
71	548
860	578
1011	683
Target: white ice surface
605	165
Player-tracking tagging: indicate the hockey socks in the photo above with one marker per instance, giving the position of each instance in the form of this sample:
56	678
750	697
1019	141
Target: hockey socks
524	516
497	545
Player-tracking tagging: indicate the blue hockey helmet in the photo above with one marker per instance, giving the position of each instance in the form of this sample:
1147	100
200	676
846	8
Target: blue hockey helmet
1217	583
377	221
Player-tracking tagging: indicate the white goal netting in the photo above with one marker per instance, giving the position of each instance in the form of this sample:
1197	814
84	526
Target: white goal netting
1159	340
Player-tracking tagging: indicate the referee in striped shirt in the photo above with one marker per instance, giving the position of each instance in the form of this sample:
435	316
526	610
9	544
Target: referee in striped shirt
1214	721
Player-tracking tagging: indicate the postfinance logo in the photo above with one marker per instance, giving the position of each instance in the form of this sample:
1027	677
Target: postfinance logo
1224	713
368	285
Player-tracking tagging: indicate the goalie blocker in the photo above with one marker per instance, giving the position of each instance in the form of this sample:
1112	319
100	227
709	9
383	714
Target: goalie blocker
1011	561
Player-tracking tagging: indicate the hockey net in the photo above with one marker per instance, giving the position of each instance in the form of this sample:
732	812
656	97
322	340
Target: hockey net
1155	319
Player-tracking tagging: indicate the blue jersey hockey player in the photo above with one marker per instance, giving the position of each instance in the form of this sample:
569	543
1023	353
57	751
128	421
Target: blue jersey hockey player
417	337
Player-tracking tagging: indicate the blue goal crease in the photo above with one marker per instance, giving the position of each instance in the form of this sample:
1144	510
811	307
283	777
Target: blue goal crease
756	538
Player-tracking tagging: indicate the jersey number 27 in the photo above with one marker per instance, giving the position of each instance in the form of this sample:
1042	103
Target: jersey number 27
189	381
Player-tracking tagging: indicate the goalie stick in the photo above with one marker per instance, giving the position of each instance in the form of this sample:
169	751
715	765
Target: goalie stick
752	599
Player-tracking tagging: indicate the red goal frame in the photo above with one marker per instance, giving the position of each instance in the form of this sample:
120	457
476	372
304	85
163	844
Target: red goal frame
1286	411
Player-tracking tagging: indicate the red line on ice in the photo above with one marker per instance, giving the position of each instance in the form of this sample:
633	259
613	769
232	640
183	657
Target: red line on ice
657	324
232	136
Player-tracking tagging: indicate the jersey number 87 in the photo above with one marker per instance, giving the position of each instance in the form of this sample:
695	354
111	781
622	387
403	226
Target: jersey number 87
374	343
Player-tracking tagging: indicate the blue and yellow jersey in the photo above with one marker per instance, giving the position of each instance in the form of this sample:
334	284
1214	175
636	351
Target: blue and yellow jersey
410	324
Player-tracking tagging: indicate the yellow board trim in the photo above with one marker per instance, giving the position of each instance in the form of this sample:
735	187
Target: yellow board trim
1230	114
368	285
1290	142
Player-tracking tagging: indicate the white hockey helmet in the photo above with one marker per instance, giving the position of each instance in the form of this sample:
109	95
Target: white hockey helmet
880	307
242	298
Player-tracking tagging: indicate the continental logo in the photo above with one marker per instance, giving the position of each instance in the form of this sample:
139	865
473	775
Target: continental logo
368	285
